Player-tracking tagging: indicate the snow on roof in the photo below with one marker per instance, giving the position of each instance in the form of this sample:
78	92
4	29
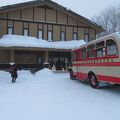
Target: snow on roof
25	41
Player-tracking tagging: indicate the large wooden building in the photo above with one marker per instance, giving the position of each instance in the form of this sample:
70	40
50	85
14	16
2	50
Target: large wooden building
46	20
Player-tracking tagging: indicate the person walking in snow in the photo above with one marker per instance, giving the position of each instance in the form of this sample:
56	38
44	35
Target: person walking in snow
13	72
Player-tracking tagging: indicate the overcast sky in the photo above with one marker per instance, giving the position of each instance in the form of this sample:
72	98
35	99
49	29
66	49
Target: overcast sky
86	8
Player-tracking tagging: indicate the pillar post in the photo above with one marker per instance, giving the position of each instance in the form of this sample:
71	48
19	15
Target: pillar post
46	56
12	56
46	62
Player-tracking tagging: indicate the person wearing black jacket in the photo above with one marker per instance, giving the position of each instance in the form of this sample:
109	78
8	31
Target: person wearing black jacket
13	71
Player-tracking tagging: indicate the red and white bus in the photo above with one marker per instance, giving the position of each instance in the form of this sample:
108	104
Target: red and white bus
97	61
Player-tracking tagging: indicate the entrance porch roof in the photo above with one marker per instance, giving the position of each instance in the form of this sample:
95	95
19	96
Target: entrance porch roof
32	43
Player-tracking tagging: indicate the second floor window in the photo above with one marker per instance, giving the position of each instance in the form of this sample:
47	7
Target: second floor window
25	32
75	36
86	37
40	34
49	36
62	36
10	30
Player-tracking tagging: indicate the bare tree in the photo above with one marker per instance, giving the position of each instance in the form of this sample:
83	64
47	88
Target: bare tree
119	17
109	19
114	19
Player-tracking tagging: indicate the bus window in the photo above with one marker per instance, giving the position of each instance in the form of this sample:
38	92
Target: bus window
90	47
100	52
84	53
100	44
91	54
73	56
91	51
80	55
77	55
111	47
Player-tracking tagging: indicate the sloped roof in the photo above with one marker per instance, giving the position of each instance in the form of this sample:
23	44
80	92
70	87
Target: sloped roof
55	6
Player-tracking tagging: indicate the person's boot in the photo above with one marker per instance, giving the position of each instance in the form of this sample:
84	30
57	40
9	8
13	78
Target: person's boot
13	81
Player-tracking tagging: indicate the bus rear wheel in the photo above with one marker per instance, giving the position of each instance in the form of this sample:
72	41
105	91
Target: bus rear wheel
94	82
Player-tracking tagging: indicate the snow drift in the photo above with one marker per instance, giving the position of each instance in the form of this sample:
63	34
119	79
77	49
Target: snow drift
53	96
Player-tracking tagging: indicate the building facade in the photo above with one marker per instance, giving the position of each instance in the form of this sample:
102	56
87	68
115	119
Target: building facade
46	20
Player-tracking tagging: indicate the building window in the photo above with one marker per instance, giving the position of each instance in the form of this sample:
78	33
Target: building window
40	34
10	27
50	36
75	36
62	36
10	30
87	37
25	32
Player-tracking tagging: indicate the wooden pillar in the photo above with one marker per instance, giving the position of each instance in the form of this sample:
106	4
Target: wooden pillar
46	57
12	56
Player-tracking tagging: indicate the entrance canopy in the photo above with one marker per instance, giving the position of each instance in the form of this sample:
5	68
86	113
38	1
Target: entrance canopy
16	41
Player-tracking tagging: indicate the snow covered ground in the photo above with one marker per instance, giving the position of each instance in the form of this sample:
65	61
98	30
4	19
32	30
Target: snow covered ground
53	96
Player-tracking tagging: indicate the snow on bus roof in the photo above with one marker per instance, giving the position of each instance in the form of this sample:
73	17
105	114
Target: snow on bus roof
25	41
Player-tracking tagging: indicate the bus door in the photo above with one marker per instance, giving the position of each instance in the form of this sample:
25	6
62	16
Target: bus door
78	57
83	58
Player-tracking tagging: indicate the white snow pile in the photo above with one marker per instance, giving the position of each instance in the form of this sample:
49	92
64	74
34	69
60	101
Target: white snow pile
44	73
4	76
25	75
25	41
53	96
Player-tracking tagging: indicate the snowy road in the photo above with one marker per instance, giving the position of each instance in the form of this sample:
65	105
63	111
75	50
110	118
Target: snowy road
53	96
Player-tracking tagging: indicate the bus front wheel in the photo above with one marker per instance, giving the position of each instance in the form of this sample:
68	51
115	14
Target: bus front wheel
93	81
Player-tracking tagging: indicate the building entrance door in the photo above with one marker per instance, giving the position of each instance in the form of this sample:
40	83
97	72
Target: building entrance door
60	60
40	61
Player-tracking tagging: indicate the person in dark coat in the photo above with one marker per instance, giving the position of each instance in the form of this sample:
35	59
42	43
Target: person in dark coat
13	71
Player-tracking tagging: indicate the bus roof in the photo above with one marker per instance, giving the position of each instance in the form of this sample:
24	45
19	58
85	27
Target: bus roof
115	36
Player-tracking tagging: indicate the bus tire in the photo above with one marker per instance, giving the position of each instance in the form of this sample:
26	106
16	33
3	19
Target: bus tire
94	82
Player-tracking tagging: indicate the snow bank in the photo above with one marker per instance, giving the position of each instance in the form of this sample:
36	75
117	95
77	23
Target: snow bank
55	98
4	75
25	75
25	41
44	73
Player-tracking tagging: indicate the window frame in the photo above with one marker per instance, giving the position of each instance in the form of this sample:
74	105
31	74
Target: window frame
107	48
103	52
39	30
91	48
75	33
50	31
12	31
93	53
99	46
24	32
85	53
87	35
61	37
74	57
